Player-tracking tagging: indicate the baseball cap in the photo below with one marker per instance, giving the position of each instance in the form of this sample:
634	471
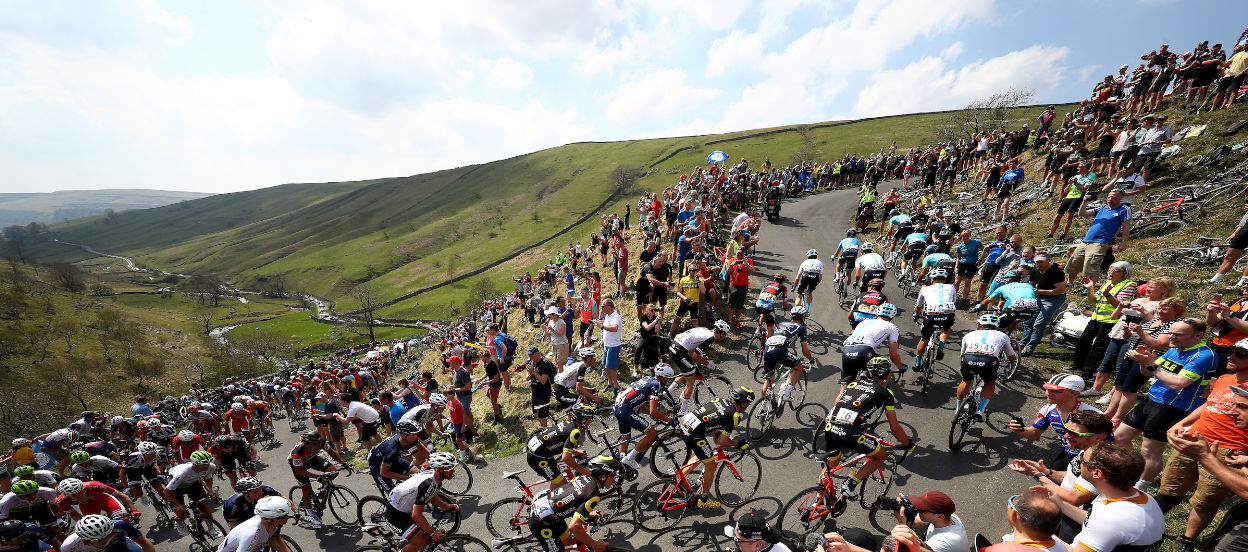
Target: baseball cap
552	310
533	350
1065	381
935	502
455	359
753	527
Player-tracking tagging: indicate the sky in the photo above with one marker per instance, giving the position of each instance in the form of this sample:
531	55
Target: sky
232	95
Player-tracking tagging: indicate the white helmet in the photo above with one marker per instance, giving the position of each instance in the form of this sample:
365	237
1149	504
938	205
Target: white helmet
868	246
586	352
799	310
723	327
664	370
271	507
148	447
186	435
236	406
812	253
70	486
94	527
115	420
441	460
437	399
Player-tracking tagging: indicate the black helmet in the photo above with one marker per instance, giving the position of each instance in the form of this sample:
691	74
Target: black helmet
878	368
12	530
313	438
581	412
604	465
407	427
743	394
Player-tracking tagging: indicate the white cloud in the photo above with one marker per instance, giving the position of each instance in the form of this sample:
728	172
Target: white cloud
509	75
737	51
102	26
952	52
929	84
659	94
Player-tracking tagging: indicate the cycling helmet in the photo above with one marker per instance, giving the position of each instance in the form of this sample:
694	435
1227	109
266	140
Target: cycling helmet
247	484
407	427
163	432
94	527
664	370
743	394
70	486
722	327
1012	276
799	311
13	530
581	412
237	406
989	319
192	409
780	277
251	403
23	471
79	457
930	249
585	352
441	460
888	310
272	507
940	274
878	368
851	232
141	424
313	437
115	420
201	458
186	435
148	447
604	465
21	442
437	399
894	212
25	487
811	253
868	247
876	284
77	427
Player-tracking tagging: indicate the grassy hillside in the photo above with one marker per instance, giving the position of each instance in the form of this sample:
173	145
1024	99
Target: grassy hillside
60	206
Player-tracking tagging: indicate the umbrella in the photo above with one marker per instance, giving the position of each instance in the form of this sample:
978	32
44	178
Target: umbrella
717	157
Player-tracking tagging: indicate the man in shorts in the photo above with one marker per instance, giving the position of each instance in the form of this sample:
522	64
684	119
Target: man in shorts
1108	222
739	269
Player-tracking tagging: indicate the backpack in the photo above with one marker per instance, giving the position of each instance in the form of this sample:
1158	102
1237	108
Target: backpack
510	344
1216	155
1235	128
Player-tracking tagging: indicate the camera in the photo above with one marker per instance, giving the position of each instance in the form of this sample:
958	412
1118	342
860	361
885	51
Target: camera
894	505
1131	316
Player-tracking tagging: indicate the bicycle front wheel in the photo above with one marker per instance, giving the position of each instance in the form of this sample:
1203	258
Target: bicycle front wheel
925	370
736	481
754	356
961	424
508	517
461	483
1175	257
211	532
797	397
290	544
803	513
342	503
1157	228
459	543
760	419
875	486
711	388
667	454
660	505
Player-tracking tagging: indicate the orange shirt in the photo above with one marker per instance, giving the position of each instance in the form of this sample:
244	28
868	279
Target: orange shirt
1232	335
1218	421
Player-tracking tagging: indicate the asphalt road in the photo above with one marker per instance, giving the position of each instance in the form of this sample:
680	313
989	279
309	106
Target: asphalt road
976	476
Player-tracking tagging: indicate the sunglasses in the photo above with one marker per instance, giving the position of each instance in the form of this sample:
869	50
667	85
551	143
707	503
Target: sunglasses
1080	433
1240	354
1010	501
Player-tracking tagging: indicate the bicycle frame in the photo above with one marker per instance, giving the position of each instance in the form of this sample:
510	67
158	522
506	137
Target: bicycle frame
669	499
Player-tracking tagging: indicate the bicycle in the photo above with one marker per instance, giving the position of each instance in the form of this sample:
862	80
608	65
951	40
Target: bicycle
924	370
383	542
372	511
763	413
164	513
965	416
1207	251
1159	220
512	543
462	482
661	504
340	501
205	531
810	508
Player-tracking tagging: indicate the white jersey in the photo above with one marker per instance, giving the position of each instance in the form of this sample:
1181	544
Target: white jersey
98	464
693	338
11	503
248	536
1114	522
938	299
869	261
417	489
873	332
986	342
811	267
568	376
184	475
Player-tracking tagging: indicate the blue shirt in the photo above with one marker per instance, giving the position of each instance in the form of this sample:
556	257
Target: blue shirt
1106	223
899	220
848	244
140	409
1194	363
639	392
1013	176
968	252
1015	293
916	237
683	246
933	258
237	509
397	410
683	217
388	453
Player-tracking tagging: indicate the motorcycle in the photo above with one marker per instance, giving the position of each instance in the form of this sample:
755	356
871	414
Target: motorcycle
772	209
1067	327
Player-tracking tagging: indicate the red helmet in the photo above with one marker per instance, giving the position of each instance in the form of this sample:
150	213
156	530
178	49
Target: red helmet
780	277
192	409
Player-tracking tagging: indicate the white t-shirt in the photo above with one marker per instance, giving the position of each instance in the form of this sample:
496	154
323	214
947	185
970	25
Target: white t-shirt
951	538
363	412
616	338
248	536
869	261
873	332
1117	521
557	326
811	266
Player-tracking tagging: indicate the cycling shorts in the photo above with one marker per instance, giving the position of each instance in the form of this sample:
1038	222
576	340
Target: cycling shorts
680	359
629	420
194	491
549	532
913	252
985	366
934	321
317	463
806	283
847	260
544	467
840	437
768	315
778	356
702	445
231	460
853	359
1009	317
402	521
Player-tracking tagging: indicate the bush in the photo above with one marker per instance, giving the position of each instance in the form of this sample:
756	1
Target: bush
100	290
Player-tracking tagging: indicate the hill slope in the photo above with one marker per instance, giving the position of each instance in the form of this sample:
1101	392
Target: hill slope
71	204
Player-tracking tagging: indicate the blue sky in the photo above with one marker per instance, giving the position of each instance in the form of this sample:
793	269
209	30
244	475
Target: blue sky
230	95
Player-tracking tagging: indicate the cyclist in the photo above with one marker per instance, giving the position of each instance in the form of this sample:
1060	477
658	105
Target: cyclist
16	536
428	416
96	533
765	306
937	303
407	502
899	226
868	266
846	253
859	347
547	446
186	444
260	531
305	457
548	513
45	478
867	305
845	425
981	352
139	466
238	421
708	426
934	259
570	381
385	461
809	274
685	354
203	420
82	498
121	429
1016	301
230	453
242	506
641	394
778	350
28	501
94	467
194	480
915	243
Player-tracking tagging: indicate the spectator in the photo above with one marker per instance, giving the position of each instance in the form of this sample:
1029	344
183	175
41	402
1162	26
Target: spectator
1238	242
1109	221
140	407
556	331
1234	70
1034	520
1228	471
541	374
1182	374
461	384
1153	332
1062	393
1154	292
752	534
1215	419
1071	192
967	253
738	271
1155	137
1090	349
612	325
1122	515
945	532
392	411
1050	282
365	418
502	356
1066	486
588	308
999	248
494	383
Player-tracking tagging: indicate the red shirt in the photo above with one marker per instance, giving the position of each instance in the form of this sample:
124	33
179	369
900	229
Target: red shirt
238	420
738	274
99	501
184	449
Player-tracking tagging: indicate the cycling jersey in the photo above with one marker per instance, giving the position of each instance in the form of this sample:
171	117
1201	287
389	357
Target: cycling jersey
933	260
848	246
693	338
986	342
98	500
1131	524
937	299
916	239
555	440
137	460
578	497
237	421
417	489
389	453
183	476
872	333
248	536
182	450
13	505
810	268
859	402
420	415
869	261
238	509
44	478
899	220
770	294
1017	296
717	415
639	393
124	535
571	375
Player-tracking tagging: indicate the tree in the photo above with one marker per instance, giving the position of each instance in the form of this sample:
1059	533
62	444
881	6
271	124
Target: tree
982	115
369	301
482	290
79	379
106	321
277	284
624	177
204	318
263	344
68	330
14	236
69	276
128	337
208	287
142	367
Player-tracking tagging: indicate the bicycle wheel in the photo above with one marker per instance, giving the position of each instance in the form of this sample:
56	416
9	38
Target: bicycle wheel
211	532
372	511
508	517
805	512
667	454
1010	367
737	483
290	544
924	373
610	505
754	355
1218	197
874	488
659	506
461	483
1175	257
342	504
797	398
961	424
459	543
711	388
446	520
761	417
1158	228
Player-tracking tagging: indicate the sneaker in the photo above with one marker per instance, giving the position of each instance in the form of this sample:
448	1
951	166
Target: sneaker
708	502
1090	392
1104	400
1028	352
631	463
463	456
977	417
846	491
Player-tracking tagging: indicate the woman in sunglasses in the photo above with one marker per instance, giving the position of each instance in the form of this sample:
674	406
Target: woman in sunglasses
1152	330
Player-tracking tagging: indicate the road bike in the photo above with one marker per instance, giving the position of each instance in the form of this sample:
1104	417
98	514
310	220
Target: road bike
372	510
164	513
381	540
341	502
1207	251
661	504
1159	220
809	509
206	532
923	372
462	482
764	413
965	416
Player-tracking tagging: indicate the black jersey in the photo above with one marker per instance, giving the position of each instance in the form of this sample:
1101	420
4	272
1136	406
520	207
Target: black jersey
717	415
580	495
859	402
563	436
